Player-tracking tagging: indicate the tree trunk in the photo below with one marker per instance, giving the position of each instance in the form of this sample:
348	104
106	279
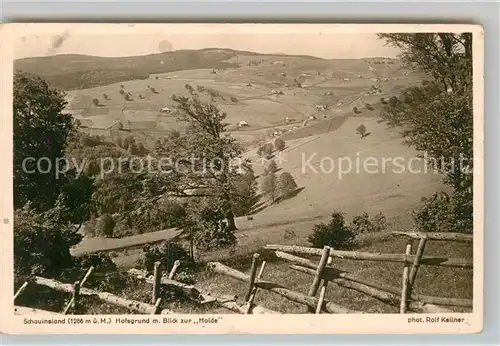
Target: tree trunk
230	220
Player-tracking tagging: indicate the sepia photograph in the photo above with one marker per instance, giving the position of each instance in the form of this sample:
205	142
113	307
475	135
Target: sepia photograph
185	177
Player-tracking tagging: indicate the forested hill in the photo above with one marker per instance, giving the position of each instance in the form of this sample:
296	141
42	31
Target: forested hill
73	71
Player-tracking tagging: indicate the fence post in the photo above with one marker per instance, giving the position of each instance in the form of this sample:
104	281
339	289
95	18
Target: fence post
176	265
20	290
252	288
76	297
404	289
157	309
70	304
319	271
416	264
156	282
321	299
261	271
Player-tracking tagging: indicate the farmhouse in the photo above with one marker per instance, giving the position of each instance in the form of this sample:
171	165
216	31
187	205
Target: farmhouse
242	123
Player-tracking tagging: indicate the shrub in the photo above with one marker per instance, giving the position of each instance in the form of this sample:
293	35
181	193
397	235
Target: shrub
105	226
95	101
356	110
364	224
279	144
443	213
166	254
105	96
101	262
42	241
234	99
383	101
122	86
127	97
153	90
361	130
286	185
122	92
335	234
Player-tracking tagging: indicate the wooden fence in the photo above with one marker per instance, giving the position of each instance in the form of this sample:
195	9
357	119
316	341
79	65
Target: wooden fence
323	273
154	307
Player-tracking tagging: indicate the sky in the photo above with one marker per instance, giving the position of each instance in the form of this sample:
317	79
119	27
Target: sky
112	40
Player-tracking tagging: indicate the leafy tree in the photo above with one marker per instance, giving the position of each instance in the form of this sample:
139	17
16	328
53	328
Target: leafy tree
272	167
206	140
383	101
265	150
269	186
279	144
189	88
122	92
438	116
335	234
105	96
245	191
361	130
95	101
41	130
286	185
127	97
356	110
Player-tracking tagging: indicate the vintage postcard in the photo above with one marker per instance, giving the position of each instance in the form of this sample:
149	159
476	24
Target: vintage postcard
241	178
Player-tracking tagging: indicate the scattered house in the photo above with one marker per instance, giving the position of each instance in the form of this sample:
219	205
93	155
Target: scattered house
321	107
312	117
276	82
360	76
304	123
278	62
329	93
277	133
283	74
346	79
304	86
242	123
386	79
288	120
277	92
371	69
249	84
164	110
